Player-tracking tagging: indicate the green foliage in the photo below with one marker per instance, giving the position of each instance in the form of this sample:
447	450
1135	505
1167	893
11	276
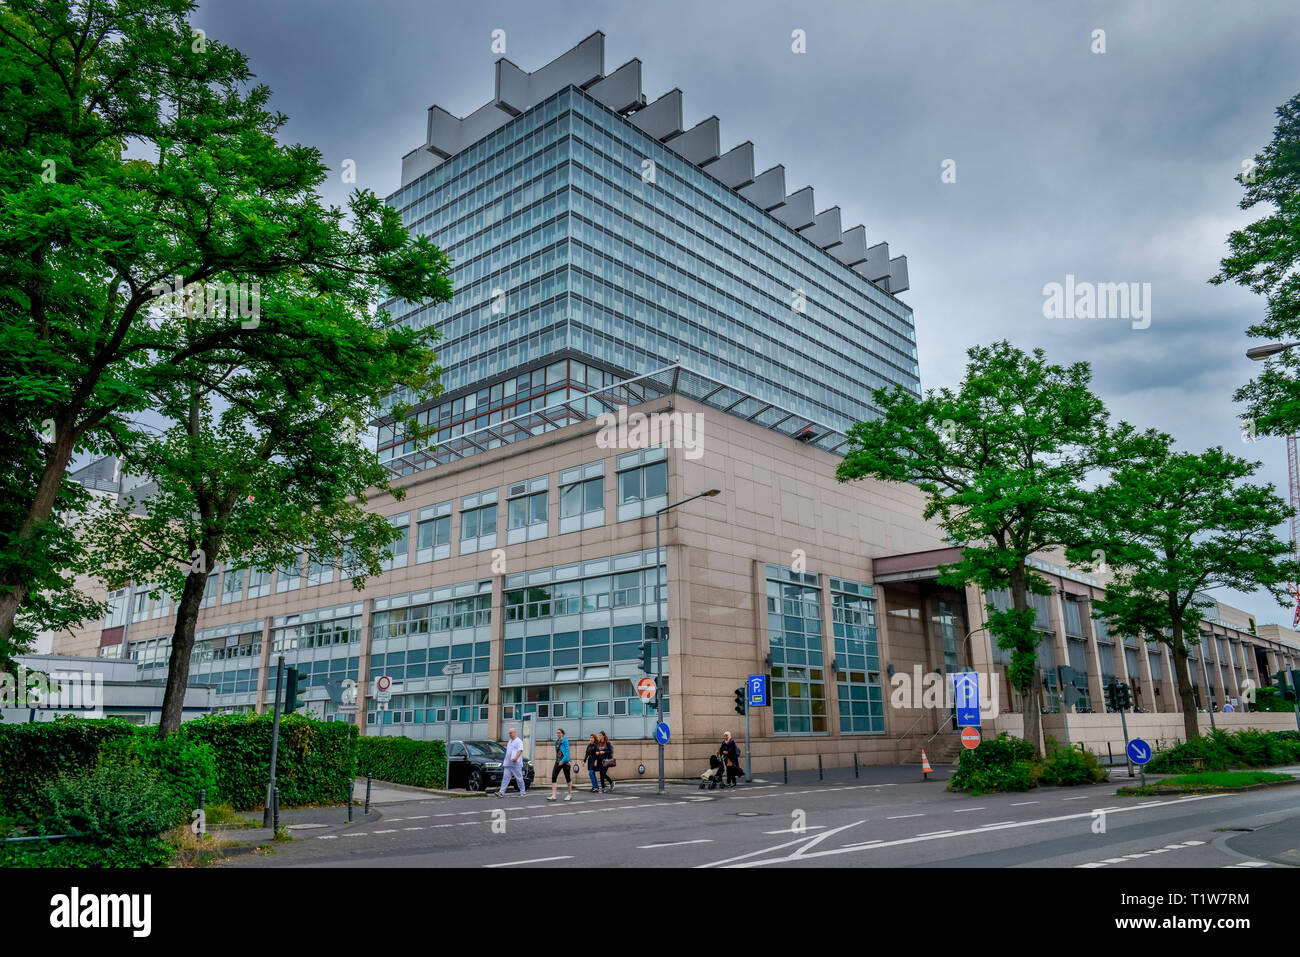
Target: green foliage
185	765
315	762
1264	257
1270	699
1066	766
113	804
421	764
1004	764
136	852
33	756
1220	749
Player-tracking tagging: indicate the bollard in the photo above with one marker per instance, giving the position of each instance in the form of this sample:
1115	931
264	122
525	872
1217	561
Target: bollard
855	764
367	794
785	771
819	767
275	810
352	783
1110	757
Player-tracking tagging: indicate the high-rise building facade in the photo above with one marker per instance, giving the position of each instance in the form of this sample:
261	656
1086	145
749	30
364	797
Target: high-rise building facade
583	223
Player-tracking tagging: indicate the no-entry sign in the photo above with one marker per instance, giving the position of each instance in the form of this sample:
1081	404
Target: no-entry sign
970	738
646	688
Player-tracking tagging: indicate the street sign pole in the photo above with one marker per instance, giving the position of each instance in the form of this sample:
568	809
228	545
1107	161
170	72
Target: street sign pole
748	761
275	741
659	644
1123	723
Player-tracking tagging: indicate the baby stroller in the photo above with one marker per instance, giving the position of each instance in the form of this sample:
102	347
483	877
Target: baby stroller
716	776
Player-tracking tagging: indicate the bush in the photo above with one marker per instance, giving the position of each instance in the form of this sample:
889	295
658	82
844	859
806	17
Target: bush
142	852
421	764
1005	764
112	805
314	765
34	756
1219	750
1069	766
186	766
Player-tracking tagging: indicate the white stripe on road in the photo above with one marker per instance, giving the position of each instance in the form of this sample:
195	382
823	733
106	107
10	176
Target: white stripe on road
1023	803
935	833
962	810
809	827
535	860
899	817
651	847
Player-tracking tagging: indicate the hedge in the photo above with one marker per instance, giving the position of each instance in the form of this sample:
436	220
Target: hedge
1004	764
34	756
1249	748
421	764
315	762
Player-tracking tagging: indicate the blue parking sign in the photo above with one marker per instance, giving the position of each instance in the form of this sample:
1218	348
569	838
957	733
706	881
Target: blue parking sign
966	690
757	691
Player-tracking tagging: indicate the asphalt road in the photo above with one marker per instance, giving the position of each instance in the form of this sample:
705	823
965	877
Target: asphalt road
843	824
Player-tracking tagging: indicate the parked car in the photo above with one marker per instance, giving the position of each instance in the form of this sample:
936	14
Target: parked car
477	765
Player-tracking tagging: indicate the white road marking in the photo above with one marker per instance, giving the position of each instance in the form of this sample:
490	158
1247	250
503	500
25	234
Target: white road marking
651	847
899	817
1023	803
997	823
963	810
807	827
935	833
535	860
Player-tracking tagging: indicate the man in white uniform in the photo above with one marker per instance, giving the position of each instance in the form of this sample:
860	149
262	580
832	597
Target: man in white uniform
513	766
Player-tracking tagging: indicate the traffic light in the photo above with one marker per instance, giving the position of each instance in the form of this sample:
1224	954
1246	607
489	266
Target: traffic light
1288	692
1112	695
1124	696
295	687
647	650
740	701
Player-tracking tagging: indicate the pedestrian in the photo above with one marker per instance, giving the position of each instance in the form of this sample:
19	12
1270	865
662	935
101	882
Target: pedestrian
592	746
730	754
605	761
513	765
561	764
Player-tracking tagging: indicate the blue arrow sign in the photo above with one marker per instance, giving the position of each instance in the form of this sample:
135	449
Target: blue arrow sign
757	691
1139	751
966	688
662	733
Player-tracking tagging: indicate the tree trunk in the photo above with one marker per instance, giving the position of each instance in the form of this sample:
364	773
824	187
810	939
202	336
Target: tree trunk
1033	709
1191	727
14	589
187	616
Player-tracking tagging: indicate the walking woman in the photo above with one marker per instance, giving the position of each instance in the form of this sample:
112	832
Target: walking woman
605	761
730	754
592	747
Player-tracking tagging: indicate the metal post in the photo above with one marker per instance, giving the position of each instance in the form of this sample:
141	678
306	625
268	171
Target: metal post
367	794
1123	723
819	767
1110	756
275	820
747	760
855	764
785	771
275	740
352	783
659	644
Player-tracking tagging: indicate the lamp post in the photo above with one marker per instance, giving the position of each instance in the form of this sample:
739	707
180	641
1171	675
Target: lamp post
1260	353
659	600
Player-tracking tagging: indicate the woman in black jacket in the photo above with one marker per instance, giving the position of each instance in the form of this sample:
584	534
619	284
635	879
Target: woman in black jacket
592	746
604	757
730	754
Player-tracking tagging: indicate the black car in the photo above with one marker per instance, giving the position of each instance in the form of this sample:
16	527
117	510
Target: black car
477	765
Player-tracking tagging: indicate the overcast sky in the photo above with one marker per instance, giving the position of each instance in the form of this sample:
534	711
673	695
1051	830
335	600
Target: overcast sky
1111	167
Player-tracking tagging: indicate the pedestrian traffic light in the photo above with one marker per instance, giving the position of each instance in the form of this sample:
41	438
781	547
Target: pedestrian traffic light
647	649
740	701
295	686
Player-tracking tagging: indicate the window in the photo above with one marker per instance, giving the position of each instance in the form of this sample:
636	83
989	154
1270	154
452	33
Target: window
433	533
232	587
398	553
319	573
798	662
857	658
140	604
642	486
163	606
478	522
259	583
526	511
209	591
116	613
289	576
582	498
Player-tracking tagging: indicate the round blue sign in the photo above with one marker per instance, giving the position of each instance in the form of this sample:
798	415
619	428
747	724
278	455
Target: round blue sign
661	733
1139	752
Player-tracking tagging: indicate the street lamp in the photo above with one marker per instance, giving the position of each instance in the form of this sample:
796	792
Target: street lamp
659	599
1259	353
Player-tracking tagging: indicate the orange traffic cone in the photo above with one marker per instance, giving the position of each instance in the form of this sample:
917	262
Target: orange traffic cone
926	770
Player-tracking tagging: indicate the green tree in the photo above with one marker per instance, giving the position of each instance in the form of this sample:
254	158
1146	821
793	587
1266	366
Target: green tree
135	156
261	459
1171	526
1264	257
1002	461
